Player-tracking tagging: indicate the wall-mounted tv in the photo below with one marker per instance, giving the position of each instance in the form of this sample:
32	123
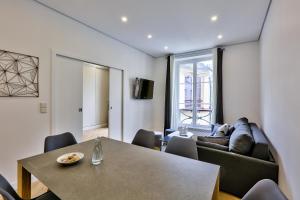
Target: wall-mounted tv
143	89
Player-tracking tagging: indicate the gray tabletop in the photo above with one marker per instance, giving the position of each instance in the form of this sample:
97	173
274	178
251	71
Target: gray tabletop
128	172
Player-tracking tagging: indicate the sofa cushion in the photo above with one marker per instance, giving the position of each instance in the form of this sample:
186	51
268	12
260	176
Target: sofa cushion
241	121
216	140
261	148
241	140
212	145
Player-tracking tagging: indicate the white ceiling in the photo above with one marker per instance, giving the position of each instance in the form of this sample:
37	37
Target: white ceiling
182	25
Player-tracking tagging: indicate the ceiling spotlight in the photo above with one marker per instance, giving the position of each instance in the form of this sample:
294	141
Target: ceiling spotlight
214	18
149	36
166	47
124	19
220	36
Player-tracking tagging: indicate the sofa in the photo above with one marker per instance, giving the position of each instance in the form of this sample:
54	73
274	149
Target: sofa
241	171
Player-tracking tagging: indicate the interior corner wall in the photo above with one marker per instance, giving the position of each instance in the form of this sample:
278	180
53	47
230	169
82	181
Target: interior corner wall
30	28
280	97
241	82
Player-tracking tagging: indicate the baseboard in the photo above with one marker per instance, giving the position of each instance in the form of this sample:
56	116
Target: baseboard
104	125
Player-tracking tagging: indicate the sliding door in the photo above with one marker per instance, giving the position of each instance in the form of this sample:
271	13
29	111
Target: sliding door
116	104
67	96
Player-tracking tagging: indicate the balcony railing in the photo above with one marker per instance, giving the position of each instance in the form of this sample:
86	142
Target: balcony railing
203	115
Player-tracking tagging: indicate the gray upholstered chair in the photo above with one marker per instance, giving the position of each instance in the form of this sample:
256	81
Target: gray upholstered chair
264	190
144	138
185	147
59	141
7	191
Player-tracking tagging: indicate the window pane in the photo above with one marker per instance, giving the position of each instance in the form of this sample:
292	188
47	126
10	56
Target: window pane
204	93
186	94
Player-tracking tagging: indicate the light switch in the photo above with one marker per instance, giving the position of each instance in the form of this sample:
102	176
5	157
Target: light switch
43	108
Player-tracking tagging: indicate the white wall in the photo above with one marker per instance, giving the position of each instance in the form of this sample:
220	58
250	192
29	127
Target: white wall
280	97
29	28
241	94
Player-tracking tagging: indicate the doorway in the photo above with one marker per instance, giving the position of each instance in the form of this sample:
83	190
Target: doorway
95	101
87	99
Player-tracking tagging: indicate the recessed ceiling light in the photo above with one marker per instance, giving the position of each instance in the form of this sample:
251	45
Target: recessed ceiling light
220	36
214	18
166	47
124	19
149	36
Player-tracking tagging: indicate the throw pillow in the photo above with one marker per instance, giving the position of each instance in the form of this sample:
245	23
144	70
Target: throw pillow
241	121
230	131
215	128
241	140
222	131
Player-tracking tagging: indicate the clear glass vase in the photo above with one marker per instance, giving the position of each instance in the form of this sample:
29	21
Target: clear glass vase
97	156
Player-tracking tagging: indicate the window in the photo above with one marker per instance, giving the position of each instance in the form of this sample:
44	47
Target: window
194	83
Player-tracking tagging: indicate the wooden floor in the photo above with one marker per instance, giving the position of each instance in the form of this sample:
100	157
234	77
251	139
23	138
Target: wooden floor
38	188
94	133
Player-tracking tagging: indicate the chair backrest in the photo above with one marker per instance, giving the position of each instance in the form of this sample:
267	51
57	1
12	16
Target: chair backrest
7	191
185	147
59	141
144	138
264	190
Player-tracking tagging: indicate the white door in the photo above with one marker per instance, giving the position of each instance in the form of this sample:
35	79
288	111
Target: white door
67	100
89	97
115	104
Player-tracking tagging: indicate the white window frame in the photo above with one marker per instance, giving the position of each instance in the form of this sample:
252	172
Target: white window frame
194	61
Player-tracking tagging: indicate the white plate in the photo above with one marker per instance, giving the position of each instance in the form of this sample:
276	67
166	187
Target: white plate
70	158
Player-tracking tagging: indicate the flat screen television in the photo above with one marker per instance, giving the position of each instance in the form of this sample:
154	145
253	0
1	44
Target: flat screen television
143	89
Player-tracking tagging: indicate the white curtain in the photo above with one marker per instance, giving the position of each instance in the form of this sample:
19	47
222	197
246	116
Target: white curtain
174	94
215	79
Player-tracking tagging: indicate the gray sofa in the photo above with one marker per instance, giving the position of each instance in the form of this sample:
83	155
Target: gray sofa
239	173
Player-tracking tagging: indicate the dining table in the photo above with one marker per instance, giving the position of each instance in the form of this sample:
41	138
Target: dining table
127	172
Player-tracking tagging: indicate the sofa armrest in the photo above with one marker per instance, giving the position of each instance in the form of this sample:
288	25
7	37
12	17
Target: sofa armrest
239	173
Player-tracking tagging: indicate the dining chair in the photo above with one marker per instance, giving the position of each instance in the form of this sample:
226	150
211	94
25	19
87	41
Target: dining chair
264	190
185	147
8	193
59	141
144	138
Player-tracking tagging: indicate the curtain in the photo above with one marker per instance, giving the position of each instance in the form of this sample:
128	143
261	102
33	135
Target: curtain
171	106
174	78
219	87
168	108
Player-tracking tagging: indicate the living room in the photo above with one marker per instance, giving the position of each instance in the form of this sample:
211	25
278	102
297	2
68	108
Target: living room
241	56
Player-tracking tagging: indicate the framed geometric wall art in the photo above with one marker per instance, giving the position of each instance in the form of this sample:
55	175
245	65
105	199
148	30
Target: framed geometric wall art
19	75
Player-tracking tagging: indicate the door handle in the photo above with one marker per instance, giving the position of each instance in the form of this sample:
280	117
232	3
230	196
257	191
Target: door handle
80	110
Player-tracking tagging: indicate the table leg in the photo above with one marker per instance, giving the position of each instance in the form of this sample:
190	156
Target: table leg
216	190
24	182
